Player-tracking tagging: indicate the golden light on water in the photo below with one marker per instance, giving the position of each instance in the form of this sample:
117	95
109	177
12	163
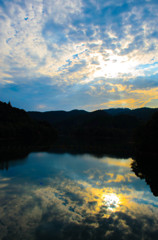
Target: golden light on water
107	199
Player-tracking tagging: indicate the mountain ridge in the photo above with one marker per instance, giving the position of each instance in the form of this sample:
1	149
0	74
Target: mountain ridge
144	113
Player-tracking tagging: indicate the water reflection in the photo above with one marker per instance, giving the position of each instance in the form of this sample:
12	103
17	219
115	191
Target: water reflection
62	196
145	167
112	201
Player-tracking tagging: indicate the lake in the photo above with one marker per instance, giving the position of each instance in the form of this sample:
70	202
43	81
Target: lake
75	196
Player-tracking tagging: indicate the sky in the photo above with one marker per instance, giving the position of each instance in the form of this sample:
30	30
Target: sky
79	54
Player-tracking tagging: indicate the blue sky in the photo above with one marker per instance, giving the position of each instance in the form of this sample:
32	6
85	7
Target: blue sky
91	54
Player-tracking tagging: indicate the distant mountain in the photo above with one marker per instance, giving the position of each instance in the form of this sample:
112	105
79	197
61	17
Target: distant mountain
16	125
54	117
81	123
108	124
143	114
117	111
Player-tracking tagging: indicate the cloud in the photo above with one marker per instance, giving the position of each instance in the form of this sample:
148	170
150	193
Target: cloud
74	43
53	211
69	204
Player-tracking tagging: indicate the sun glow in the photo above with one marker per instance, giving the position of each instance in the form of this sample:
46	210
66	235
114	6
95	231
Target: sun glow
114	66
111	201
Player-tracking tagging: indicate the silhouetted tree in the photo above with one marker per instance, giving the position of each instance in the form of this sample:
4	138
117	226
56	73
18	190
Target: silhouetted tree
15	124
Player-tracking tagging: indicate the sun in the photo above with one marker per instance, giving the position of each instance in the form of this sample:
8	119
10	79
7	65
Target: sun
111	201
114	66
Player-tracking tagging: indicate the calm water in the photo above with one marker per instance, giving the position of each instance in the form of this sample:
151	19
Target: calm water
64	196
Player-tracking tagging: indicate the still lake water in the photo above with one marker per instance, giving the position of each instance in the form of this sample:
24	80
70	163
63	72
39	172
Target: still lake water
64	196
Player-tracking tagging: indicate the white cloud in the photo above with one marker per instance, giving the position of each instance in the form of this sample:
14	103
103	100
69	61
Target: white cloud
116	41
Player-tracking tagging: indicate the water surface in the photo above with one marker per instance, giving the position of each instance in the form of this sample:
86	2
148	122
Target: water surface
64	196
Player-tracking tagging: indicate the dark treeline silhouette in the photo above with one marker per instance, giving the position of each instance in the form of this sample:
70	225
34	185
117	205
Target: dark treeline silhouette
117	132
146	155
145	167
106	124
101	125
96	147
143	114
17	126
147	136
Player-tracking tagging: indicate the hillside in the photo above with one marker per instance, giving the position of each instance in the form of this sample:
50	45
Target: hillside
143	114
54	117
110	123
16	125
147	136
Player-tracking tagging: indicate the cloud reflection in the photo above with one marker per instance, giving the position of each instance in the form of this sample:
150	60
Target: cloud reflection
82	197
112	201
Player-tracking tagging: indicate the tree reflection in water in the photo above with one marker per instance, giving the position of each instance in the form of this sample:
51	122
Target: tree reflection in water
145	167
81	197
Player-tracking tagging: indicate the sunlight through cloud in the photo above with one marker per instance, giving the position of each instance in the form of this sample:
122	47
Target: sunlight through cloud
69	47
111	201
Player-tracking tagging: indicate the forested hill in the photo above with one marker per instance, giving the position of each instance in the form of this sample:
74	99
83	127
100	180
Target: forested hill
54	117
16	125
143	114
111	123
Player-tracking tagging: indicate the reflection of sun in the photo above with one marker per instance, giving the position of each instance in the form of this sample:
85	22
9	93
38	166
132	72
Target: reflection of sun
111	201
